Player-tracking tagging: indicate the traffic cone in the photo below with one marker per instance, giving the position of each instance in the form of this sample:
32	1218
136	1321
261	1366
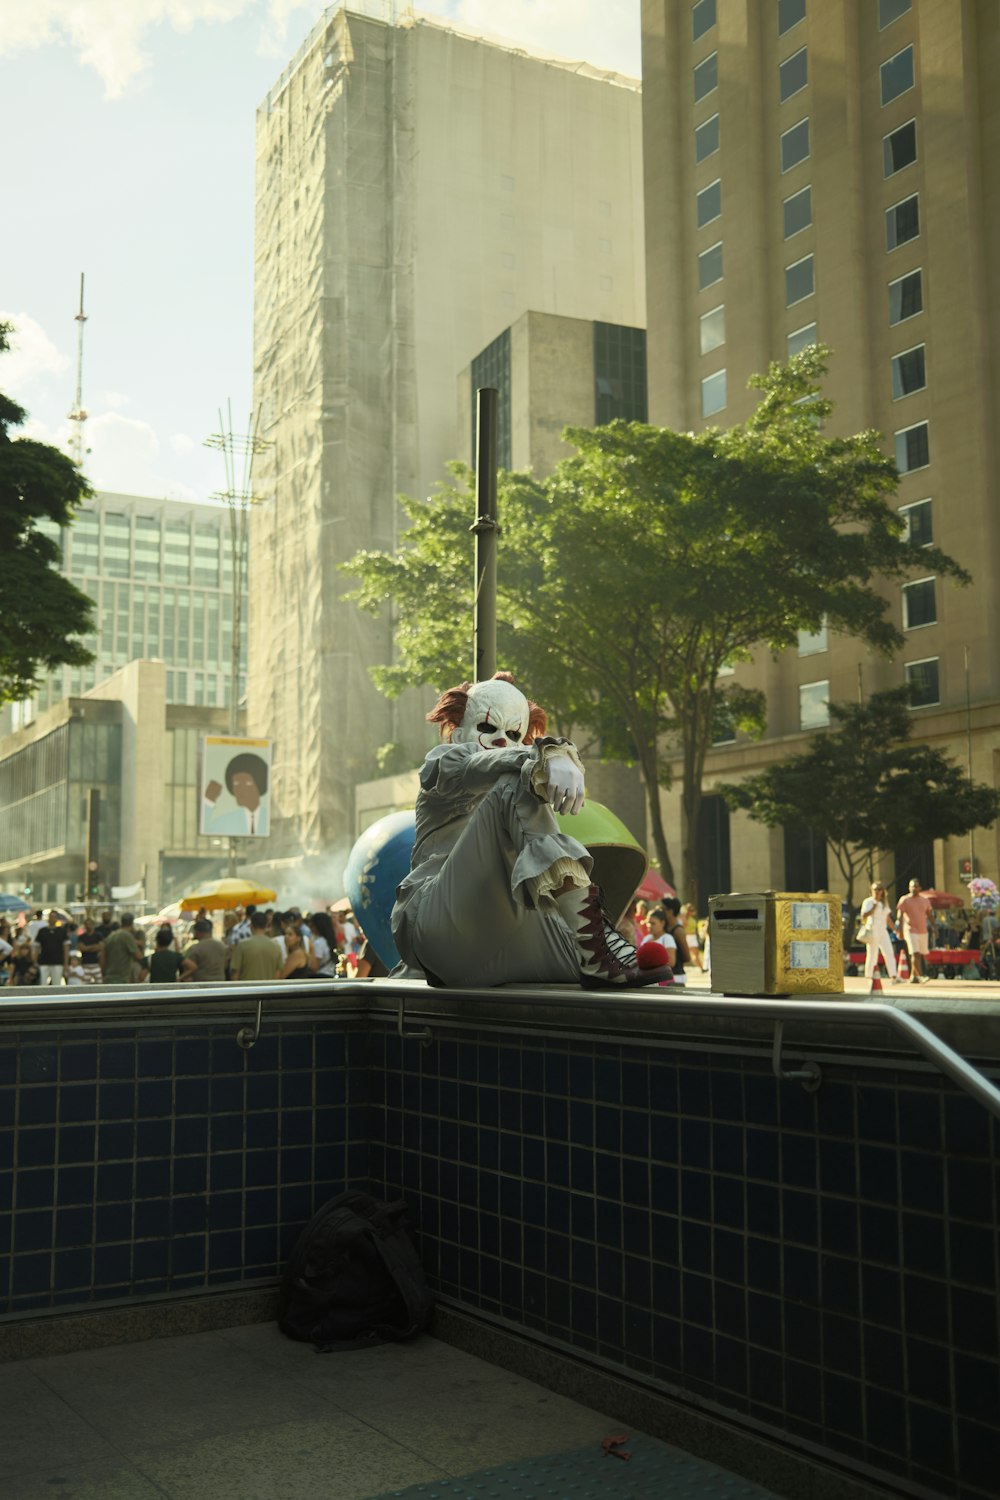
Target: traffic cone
876	985
903	966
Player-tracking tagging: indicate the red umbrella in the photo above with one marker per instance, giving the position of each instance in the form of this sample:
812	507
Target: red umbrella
654	887
941	900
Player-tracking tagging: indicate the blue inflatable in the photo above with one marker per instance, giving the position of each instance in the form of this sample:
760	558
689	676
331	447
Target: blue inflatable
381	859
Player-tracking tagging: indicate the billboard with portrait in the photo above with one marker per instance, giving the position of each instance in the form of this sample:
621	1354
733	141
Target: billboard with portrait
234	787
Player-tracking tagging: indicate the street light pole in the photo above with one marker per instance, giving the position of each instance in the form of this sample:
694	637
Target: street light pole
484	642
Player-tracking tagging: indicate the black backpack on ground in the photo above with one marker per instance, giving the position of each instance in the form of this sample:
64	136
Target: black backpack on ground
353	1278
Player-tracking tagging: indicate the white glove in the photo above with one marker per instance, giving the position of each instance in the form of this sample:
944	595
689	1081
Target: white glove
563	784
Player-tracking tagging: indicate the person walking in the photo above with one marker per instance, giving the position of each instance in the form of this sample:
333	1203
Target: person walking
122	954
876	925
257	956
914	912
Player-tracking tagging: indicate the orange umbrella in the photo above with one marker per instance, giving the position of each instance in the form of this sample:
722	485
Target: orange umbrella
226	895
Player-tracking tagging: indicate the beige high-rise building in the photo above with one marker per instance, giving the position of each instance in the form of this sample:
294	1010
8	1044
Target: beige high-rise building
418	190
826	169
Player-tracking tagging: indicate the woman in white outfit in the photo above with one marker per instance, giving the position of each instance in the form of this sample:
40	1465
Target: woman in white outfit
876	920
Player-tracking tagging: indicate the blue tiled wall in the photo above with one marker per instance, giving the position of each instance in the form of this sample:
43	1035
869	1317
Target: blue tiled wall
135	1162
824	1265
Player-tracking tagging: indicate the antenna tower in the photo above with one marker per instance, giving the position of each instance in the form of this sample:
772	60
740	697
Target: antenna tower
78	415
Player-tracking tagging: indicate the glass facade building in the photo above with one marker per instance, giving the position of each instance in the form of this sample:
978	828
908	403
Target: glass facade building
43	800
160	575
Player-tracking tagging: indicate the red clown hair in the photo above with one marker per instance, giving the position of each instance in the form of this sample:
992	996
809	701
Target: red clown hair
449	710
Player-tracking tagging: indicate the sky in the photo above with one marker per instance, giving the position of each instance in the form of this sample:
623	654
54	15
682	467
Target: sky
128	130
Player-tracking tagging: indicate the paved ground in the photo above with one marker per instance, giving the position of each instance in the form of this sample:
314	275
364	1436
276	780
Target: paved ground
246	1414
945	989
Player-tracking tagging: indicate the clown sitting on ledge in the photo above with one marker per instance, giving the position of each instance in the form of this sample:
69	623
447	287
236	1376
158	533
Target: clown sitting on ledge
497	893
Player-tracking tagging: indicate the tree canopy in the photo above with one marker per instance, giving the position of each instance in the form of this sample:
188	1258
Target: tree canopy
42	614
651	560
866	788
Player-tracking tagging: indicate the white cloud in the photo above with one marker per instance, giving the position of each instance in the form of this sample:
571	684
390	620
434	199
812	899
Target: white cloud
182	444
32	356
108	35
124	455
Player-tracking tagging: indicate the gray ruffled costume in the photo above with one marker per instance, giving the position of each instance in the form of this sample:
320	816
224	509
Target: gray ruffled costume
469	912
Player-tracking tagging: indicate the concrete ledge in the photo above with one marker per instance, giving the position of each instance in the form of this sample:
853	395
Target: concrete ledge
767	1461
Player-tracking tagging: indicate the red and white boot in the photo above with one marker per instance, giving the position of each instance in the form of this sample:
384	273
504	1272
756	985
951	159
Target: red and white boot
607	960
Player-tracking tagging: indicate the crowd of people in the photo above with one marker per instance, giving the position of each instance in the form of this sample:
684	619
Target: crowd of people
916	926
249	944
674	925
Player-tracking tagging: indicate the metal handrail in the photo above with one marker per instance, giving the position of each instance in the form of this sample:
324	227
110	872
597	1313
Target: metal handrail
945	1058
405	996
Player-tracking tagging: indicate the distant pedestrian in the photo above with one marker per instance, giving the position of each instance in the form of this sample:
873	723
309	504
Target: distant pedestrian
205	960
914	911
165	963
296	964
324	941
122	953
90	946
52	950
874	931
257	956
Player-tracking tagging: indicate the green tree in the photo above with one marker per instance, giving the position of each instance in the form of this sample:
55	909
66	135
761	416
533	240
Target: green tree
42	614
653	559
866	788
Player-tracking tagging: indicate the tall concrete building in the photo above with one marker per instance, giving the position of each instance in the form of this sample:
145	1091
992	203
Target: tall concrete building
826	169
418	191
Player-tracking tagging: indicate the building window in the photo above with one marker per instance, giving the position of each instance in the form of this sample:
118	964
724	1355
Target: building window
709	203
811	642
800	339
899	149
799	280
790	13
919	604
913	448
712	328
619	373
177	552
713	393
117	533
702	18
706	138
795	145
814	705
710	266
798	210
902	222
906	298
919	523
909	372
924	682
793	74
897	75
706	76
491	367
891	10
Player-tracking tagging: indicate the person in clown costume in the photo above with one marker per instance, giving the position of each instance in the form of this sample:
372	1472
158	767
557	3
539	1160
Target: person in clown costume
497	893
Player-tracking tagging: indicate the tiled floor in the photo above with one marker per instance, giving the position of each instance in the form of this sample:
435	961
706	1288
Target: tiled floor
245	1414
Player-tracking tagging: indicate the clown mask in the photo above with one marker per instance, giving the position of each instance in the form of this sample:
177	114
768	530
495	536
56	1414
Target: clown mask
495	718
